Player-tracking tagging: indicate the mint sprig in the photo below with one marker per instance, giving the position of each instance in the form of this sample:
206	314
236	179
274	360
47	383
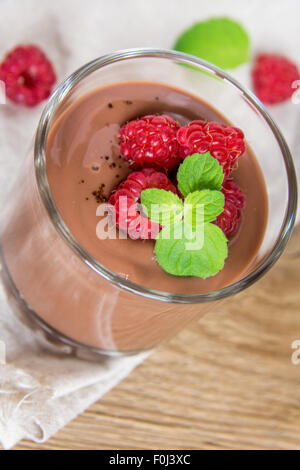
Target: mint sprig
189	244
174	258
211	203
161	206
199	171
221	41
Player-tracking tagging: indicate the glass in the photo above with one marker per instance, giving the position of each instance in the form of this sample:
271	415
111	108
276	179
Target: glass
43	265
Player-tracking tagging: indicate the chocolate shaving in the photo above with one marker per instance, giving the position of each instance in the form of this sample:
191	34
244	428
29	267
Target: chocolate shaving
98	194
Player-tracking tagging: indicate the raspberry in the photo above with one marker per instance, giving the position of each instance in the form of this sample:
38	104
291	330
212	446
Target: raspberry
28	75
150	142
235	201
225	143
128	217
273	76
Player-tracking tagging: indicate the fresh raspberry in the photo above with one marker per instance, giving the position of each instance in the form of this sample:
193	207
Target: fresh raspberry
225	143
28	75
128	217
150	142
273	76
235	201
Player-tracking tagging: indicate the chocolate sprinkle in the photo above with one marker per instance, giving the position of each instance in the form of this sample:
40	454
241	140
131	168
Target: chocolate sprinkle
110	105
98	194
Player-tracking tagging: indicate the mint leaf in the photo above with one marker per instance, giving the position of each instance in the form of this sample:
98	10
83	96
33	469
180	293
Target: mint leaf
199	171
205	205
221	41
175	256
162	206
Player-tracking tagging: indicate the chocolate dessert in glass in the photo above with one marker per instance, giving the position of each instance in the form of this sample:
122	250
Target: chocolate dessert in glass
93	275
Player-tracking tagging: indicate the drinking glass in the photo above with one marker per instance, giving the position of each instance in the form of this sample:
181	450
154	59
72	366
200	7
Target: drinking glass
43	265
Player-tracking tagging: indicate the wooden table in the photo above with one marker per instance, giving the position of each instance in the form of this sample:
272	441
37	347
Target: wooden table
226	382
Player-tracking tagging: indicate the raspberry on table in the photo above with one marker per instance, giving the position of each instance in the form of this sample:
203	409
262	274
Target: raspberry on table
150	142
128	217
28	75
235	201
273	77
224	143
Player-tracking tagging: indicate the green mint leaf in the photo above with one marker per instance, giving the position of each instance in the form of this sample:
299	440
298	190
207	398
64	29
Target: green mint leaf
199	171
162	206
184	252
203	206
221	41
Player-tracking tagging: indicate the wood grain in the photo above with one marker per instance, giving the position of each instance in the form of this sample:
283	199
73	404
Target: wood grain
226	382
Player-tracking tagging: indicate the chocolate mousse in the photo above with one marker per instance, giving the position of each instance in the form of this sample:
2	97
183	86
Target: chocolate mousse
83	160
84	166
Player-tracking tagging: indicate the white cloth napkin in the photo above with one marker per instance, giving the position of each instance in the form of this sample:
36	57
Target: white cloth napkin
39	392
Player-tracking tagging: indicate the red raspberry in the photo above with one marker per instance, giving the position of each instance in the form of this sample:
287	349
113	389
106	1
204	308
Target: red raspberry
150	142
235	201
28	75
128	217
224	143
273	76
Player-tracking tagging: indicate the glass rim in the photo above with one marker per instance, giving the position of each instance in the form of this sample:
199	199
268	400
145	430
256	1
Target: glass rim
44	189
